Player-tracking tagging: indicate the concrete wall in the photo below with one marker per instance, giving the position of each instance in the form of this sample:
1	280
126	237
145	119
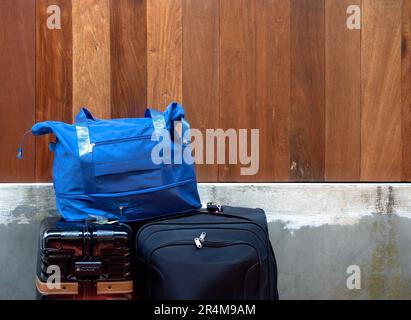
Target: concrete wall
317	232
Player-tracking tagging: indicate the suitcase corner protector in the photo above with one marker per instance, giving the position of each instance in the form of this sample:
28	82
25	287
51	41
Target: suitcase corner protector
63	288
115	287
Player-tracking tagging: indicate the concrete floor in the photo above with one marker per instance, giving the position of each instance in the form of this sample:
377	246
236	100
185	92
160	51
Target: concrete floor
317	232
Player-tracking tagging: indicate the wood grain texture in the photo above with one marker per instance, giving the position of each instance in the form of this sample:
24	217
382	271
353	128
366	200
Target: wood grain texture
342	94
273	88
381	142
17	75
91	57
331	104
406	90
237	74
201	71
307	90
164	60
53	78
128	25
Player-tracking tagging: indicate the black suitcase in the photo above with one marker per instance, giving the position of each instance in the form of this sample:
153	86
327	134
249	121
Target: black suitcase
92	261
222	253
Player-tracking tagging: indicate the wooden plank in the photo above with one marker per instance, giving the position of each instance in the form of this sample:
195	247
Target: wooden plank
381	142
91	57
53	77
342	94
237	75
273	89
164	60
201	71
128	58
307	90
17	76
406	90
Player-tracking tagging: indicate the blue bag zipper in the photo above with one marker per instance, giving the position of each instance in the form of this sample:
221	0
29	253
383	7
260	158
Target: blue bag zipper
113	141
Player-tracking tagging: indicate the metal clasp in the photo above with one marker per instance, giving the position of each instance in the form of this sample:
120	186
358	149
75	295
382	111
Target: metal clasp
200	240
214	207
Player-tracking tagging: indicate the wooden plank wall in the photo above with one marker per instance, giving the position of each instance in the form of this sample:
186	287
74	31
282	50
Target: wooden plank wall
307	90
331	104
342	94
54	79
164	52
202	66
381	140
238	79
406	90
91	57
128	58
17	76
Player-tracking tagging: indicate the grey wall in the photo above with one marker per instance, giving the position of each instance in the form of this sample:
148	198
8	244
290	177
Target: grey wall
317	231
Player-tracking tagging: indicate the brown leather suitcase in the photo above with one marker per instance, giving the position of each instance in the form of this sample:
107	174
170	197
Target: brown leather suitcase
92	260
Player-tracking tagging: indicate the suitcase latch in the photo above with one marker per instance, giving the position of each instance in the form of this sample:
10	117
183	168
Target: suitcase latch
200	240
88	268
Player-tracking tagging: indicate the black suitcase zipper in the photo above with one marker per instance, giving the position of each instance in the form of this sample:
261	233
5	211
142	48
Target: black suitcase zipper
211	244
159	222
200	228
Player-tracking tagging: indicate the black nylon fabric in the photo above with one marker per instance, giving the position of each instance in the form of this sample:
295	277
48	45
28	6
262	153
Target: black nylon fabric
235	262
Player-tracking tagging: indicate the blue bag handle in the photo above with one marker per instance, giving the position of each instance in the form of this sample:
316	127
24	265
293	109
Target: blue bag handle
85	148
83	116
38	129
164	120
173	112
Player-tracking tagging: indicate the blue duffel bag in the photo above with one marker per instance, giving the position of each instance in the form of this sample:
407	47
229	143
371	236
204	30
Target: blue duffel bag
105	168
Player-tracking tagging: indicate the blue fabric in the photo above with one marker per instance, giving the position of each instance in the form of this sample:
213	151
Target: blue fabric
104	167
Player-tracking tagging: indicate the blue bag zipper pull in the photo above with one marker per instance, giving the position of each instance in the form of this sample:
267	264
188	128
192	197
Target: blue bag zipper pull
20	153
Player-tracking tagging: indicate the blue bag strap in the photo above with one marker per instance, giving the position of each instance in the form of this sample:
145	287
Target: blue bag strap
159	121
177	113
85	149
186	129
38	129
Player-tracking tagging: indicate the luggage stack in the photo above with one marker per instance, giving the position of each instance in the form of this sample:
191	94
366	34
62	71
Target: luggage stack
131	225
201	255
